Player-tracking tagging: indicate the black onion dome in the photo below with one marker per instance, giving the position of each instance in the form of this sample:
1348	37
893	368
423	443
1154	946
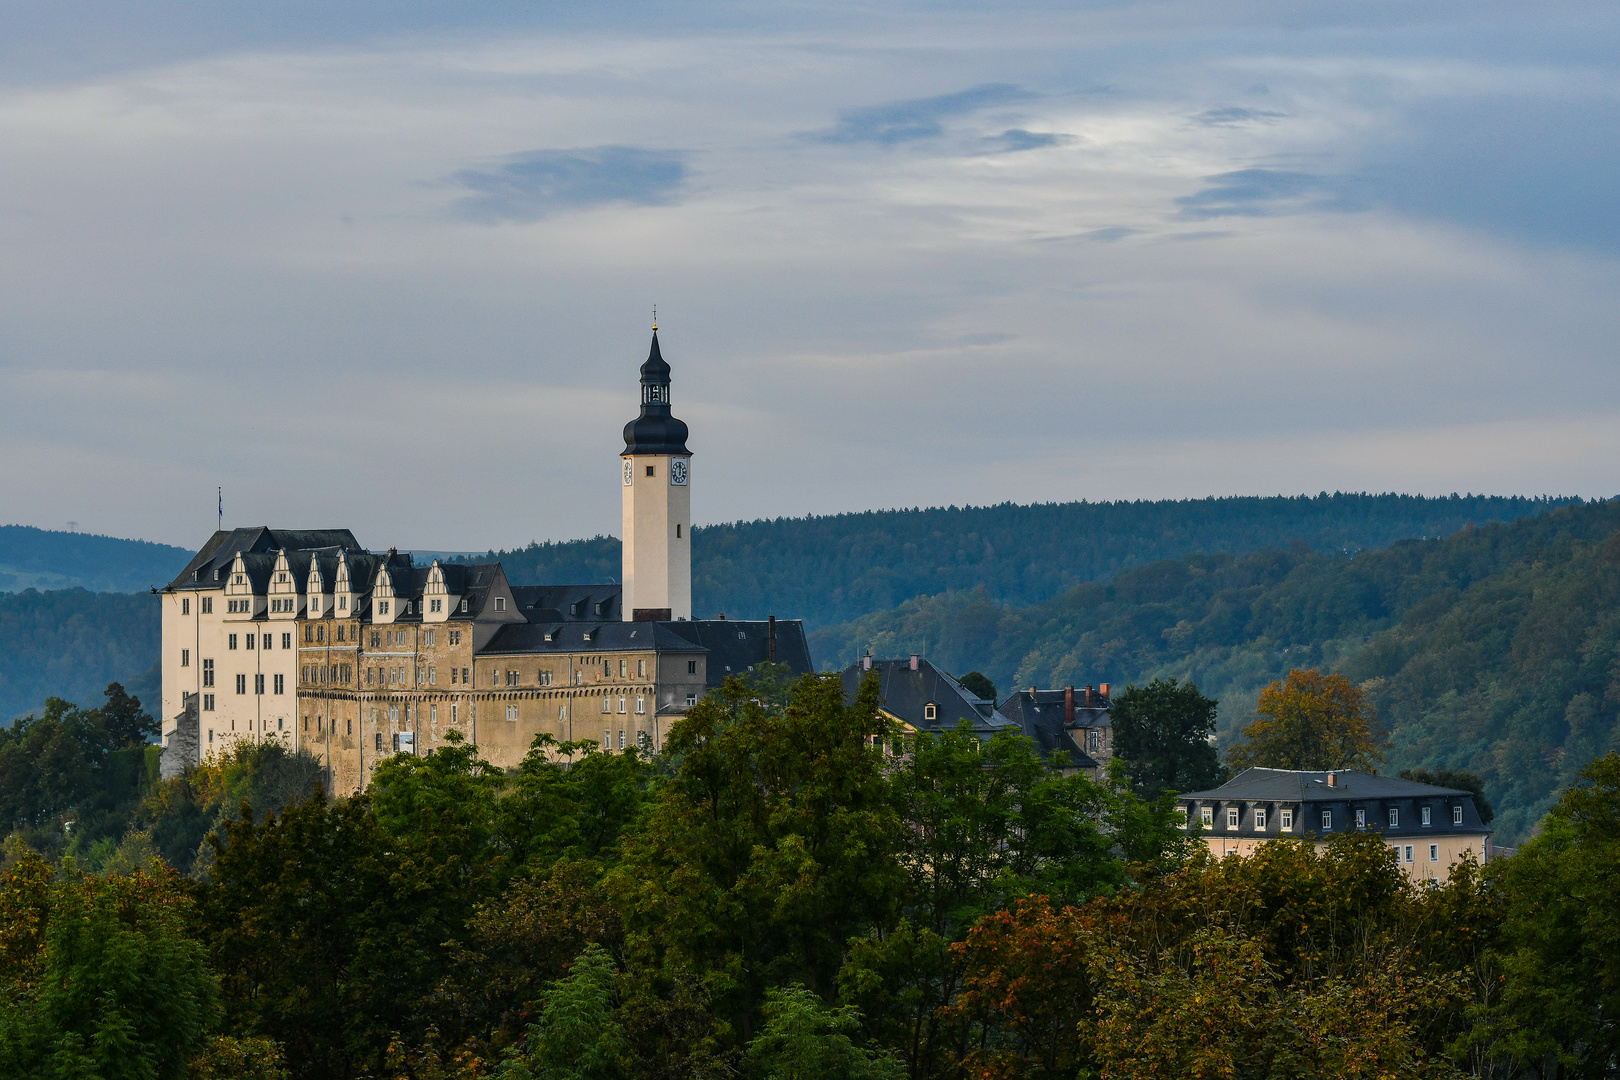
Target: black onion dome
655	431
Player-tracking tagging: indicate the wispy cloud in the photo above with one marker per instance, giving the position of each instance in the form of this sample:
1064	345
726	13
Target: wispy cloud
1235	115
917	118
526	187
1264	193
1015	139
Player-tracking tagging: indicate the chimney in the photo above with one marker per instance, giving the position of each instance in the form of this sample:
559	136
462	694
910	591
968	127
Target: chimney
1333	780
914	659
722	616
866	661
1032	696
1089	702
1103	690
770	638
1068	706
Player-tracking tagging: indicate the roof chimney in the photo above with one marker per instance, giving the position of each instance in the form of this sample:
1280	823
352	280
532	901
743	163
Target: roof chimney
1068	705
866	661
1032	696
914	659
770	638
1333	780
1103	690
722	616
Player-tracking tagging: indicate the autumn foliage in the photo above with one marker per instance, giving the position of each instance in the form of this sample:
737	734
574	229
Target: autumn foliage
1310	721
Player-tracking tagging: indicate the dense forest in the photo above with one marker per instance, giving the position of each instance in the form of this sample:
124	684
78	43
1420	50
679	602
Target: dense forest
33	558
832	569
778	896
70	643
1492	650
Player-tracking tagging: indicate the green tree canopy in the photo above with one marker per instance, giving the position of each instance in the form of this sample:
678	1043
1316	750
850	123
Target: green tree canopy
1163	731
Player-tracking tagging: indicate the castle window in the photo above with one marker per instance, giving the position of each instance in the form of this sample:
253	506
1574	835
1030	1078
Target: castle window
185	657
281	579
511	712
641	669
607	704
1361	819
436	605
208	672
452	676
379	742
281	684
453	710
649	470
1327	820
641	705
621	703
691	700
382	607
230	642
185	605
677	532
621	669
500	603
621	738
1259	819
466	675
241	684
208	605
607	741
309	634
464	605
1456	815
1206	815
1434	852
320	634
340	633
428	637
315	604
343	603
286	640
258	684
1094	741
208	706
455	637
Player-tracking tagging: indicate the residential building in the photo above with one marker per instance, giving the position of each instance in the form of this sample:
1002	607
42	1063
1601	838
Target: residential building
918	696
1073	726
1429	828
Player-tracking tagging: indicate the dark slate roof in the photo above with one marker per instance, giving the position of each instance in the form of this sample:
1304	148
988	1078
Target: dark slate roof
1040	714
576	637
655	431
1292	785
222	547
906	692
568	603
736	645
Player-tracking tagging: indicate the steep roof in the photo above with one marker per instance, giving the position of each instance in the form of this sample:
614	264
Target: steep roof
907	693
1295	785
569	603
1042	715
221	549
655	431
736	645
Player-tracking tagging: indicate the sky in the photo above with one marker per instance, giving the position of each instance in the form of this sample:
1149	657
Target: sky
392	267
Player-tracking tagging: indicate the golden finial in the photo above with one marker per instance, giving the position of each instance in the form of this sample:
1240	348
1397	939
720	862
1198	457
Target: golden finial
655	317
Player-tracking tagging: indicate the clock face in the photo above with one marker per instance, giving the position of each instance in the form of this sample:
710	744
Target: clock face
629	472
677	472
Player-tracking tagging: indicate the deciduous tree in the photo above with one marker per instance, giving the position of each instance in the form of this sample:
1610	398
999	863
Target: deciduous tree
1310	721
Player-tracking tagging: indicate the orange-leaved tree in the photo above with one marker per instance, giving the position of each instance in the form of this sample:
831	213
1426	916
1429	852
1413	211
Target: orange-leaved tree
1311	721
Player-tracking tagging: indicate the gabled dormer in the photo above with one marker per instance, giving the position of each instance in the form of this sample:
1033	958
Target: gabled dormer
315	590
344	593
283	589
384	602
499	604
438	602
240	602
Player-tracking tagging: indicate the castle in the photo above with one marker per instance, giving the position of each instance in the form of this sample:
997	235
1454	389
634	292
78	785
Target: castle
305	637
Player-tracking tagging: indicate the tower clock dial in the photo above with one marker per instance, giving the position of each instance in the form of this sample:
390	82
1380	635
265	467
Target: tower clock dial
629	472
677	472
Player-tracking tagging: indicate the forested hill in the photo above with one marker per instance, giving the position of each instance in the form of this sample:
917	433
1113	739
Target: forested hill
832	569
1495	650
71	643
33	558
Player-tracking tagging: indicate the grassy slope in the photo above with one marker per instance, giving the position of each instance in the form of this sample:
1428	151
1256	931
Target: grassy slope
1492	650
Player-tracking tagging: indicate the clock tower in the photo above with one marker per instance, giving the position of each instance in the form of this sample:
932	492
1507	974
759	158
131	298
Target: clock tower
656	471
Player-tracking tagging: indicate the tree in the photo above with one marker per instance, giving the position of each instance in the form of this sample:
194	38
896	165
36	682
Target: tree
1310	721
1458	780
1162	730
805	1039
577	1036
975	682
125	721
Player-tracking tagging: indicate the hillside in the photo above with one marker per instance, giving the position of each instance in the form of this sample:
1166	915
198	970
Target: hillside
33	558
71	643
832	569
1491	650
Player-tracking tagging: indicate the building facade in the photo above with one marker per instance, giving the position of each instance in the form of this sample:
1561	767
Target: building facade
1073	726
307	638
1429	828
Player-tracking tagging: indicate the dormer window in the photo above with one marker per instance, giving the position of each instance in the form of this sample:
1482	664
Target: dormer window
930	711
382	607
500	603
464	605
281	579
435	605
1456	815
237	580
343	603
314	604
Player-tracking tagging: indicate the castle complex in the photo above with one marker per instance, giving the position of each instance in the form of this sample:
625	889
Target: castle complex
305	637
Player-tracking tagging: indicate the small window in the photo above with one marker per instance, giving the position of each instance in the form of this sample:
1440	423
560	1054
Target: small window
466	675
1327	820
677	532
1231	817
641	706
607	741
691	667
641	669
185	657
208	609
1361	819
258	684
435	605
1206	815
930	712
607	704
379	742
343	603
464	605
454	709
185	605
622	668
621	738
1456	815
1434	852
210	733
691	700
452	676
208	706
281	684
1426	821
230	642
1408	852
649	470
1394	818
455	637
1259	819
500	603
382	607
621	704
1286	820
241	684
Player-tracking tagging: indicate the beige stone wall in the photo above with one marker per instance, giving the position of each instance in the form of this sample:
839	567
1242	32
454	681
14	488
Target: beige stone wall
1449	851
193	637
657	541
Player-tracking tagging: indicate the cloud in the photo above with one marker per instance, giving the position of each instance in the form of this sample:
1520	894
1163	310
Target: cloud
1015	139
1263	193
917	118
1234	115
526	187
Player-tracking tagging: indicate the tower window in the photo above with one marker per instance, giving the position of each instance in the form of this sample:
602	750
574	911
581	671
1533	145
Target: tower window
649	470
677	532
500	603
185	605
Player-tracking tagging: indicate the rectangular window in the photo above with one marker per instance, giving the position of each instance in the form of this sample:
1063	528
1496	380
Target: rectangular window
641	669
185	657
455	637
241	684
1287	821
281	684
1206	815
621	738
1361	819
691	700
1259	819
511	712
208	705
621	704
1408	852
1394	818
500	603
428	637
185	605
649	470
453	710
607	741
208	607
621	669
258	684
1456	815
433	676
607	704
436	605
1231	817
1327	820
379	742
1426	821
208	672
465	672
210	735
641	706
1434	852
382	607
691	667
286	640
230	642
